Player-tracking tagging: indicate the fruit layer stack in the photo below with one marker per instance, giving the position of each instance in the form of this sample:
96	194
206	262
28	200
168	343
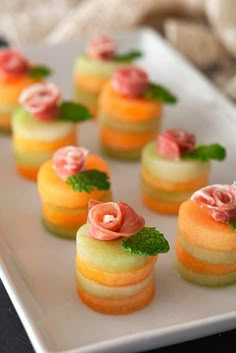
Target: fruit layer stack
205	249
90	76
65	210
109	279
166	183
35	141
126	124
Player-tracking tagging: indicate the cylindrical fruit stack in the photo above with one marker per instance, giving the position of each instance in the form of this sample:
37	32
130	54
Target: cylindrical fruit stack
66	183
173	167
42	125
115	259
130	112
93	69
16	73
206	239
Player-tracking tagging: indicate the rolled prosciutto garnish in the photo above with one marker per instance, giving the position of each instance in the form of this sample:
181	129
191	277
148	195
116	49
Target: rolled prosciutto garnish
220	201
174	143
68	161
113	220
13	64
101	48
130	81
41	100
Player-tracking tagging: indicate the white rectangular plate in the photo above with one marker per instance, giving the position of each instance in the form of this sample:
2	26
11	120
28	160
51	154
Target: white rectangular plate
38	269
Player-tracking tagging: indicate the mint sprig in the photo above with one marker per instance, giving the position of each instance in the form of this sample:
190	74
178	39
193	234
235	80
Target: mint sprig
73	112
129	56
147	242
205	153
159	93
232	224
88	180
39	71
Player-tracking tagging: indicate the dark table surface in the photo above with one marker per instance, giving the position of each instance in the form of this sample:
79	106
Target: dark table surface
13	338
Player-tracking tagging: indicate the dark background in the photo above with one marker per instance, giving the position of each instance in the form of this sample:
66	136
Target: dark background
13	338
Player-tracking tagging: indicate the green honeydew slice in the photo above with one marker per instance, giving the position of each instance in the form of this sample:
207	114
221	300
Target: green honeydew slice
106	256
103	68
136	127
27	126
172	170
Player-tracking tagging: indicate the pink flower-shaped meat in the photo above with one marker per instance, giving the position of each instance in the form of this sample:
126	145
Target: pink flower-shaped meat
12	64
130	81
112	220
220	201
174	143
41	100
101	48
69	160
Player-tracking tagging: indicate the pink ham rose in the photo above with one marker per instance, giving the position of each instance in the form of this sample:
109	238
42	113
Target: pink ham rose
130	81
68	161
174	143
101	48
112	220
13	64
220	201
41	100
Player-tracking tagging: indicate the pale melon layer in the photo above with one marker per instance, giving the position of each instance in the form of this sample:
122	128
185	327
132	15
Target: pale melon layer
104	291
129	154
171	170
31	159
163	195
107	256
103	68
85	97
29	127
212	257
205	280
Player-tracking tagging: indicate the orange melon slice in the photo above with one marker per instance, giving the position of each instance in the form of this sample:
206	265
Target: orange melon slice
118	306
5	121
199	229
115	279
160	206
54	190
195	265
118	139
127	109
11	89
27	172
93	84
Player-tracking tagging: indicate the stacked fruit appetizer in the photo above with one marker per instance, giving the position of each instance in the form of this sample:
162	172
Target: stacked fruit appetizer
130	109
42	125
16	73
66	183
206	239
173	167
94	68
115	258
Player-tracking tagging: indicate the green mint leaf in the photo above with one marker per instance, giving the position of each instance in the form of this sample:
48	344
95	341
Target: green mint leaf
232	224
39	71
159	93
131	55
147	242
205	153
74	112
88	180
